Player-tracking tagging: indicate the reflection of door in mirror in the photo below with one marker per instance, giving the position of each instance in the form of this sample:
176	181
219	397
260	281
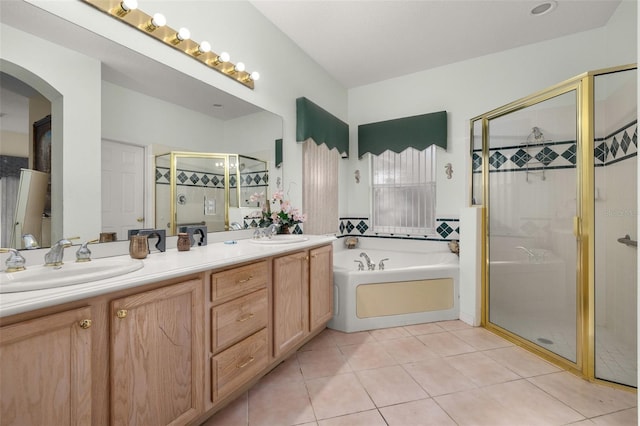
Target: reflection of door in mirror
28	218
122	188
42	153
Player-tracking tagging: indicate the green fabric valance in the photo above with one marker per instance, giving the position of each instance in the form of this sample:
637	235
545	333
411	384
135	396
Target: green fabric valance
419	132
323	127
278	153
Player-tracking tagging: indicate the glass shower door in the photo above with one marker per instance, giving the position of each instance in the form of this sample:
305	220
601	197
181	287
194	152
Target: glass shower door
616	213
532	205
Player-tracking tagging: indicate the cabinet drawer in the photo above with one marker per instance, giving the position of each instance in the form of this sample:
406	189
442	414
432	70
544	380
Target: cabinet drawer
237	319
239	364
238	281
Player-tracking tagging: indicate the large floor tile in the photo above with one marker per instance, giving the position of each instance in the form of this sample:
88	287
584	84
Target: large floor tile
390	385
521	361
624	417
322	363
288	370
590	399
481	339
513	403
481	369
234	414
407	349
366	356
427	328
343	339
424	412
445	344
324	340
284	404
454	325
438	377
364	418
389	333
338	395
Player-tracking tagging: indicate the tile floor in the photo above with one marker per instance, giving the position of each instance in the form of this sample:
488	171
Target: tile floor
444	373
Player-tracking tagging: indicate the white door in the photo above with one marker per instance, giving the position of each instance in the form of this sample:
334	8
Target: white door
122	187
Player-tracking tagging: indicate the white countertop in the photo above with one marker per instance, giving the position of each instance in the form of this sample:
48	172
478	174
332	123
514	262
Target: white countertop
157	267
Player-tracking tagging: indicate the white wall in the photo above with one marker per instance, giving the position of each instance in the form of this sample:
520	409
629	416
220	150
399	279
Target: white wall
237	27
75	99
469	88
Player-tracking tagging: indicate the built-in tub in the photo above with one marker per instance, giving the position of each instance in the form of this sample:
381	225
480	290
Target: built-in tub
419	284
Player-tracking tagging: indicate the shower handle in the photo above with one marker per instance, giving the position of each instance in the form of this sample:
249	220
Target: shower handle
577	226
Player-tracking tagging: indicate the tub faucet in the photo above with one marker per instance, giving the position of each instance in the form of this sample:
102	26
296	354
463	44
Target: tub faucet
370	266
360	265
54	256
381	264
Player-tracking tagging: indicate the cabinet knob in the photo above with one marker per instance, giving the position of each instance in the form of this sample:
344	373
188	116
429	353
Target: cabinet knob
306	257
122	313
85	323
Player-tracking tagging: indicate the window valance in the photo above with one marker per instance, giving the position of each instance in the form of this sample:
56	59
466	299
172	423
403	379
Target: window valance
417	132
321	126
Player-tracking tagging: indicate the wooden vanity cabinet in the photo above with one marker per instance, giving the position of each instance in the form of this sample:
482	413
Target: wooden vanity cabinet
302	296
157	349
239	327
45	373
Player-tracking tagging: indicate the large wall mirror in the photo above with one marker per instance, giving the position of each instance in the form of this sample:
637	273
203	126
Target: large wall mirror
113	108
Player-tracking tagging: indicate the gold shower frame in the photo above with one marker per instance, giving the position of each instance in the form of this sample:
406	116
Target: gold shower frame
584	222
173	182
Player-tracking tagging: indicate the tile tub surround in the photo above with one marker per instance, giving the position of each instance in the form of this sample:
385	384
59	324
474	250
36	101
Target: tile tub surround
447	229
445	373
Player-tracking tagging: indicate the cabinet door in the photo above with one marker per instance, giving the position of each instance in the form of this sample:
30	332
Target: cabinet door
290	301
45	373
157	351
320	286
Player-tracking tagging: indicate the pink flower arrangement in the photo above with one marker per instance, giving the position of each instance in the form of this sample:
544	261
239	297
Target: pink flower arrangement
277	210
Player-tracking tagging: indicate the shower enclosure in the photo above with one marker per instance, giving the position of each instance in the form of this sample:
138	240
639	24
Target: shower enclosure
556	175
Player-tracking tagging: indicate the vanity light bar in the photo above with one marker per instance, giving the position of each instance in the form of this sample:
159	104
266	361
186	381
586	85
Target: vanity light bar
143	22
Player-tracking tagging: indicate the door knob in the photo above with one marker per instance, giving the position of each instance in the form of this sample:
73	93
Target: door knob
122	313
140	219
85	323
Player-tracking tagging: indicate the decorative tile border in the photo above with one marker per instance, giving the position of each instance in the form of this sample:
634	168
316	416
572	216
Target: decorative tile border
619	145
252	222
447	229
211	180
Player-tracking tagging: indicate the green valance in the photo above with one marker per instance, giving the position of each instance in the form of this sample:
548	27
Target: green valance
323	127
278	153
417	132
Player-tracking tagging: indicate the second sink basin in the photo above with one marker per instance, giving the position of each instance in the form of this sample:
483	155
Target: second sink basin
41	277
281	239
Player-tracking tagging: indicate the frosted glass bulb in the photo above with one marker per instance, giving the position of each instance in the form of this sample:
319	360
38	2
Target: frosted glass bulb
240	67
224	57
128	5
204	47
255	76
184	34
159	20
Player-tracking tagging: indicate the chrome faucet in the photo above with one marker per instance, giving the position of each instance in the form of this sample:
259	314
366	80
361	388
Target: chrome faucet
370	266
54	256
15	262
84	254
271	230
381	264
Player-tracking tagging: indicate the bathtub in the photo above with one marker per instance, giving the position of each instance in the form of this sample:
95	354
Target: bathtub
419	284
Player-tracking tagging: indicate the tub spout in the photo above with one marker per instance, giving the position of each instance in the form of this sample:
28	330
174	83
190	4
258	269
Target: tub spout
360	265
370	266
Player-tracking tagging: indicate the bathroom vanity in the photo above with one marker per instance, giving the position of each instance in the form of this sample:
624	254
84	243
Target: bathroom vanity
171	343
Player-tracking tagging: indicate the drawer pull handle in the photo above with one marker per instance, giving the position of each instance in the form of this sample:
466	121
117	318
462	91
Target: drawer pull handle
245	280
245	318
244	364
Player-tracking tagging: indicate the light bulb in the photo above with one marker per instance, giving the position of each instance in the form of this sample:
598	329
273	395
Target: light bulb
183	34
255	76
223	57
125	7
204	47
158	20
239	67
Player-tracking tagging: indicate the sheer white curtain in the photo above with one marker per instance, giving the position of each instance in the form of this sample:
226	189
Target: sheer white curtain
320	188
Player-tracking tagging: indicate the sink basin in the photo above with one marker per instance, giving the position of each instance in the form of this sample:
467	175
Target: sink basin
281	239
40	277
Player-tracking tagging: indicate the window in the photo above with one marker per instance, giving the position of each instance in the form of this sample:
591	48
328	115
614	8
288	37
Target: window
403	200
